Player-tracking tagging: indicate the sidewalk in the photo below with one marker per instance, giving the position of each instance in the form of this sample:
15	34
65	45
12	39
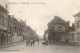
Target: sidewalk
9	45
66	43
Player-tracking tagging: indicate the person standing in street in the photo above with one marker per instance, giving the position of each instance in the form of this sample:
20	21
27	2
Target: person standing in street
27	42
32	42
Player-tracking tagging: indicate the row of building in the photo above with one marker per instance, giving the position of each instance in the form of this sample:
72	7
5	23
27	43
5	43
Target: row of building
13	30
60	30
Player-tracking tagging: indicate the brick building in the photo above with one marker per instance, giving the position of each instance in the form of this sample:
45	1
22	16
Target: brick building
57	29
75	35
29	33
3	25
15	30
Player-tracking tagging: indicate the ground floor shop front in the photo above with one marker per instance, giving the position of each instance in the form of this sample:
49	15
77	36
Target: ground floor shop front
74	37
9	38
14	38
3	37
57	37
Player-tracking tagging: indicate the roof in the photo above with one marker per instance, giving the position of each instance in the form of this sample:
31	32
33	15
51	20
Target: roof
23	23
57	20
2	8
78	14
14	21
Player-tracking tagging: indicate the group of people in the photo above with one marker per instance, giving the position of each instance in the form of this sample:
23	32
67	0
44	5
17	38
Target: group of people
31	42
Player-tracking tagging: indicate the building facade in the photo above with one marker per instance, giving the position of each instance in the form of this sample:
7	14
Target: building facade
71	34
30	32
77	27
3	25
15	30
23	23
45	36
76	33
57	30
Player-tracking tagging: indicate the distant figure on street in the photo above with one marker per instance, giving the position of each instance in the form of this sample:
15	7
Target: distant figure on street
28	42
32	42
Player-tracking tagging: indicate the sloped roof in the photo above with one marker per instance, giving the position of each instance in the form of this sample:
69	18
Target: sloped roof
23	23
2	8
78	14
57	20
14	21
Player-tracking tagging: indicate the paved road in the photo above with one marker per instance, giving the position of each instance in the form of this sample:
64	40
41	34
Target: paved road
39	48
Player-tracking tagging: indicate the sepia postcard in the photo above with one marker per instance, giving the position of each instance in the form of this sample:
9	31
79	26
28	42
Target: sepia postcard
39	26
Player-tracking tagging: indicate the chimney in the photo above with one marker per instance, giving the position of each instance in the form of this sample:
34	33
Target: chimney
9	16
56	17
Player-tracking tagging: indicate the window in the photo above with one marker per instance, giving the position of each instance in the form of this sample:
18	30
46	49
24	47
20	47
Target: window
66	27
59	28
52	27
1	20
72	37
78	24
1	17
78	36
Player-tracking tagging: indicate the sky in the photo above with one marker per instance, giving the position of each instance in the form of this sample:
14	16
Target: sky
39	15
3	2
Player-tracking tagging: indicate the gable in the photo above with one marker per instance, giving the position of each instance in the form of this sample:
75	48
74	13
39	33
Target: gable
58	20
78	14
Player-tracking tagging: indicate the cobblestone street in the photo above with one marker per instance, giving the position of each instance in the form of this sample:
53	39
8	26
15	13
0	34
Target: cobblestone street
39	48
